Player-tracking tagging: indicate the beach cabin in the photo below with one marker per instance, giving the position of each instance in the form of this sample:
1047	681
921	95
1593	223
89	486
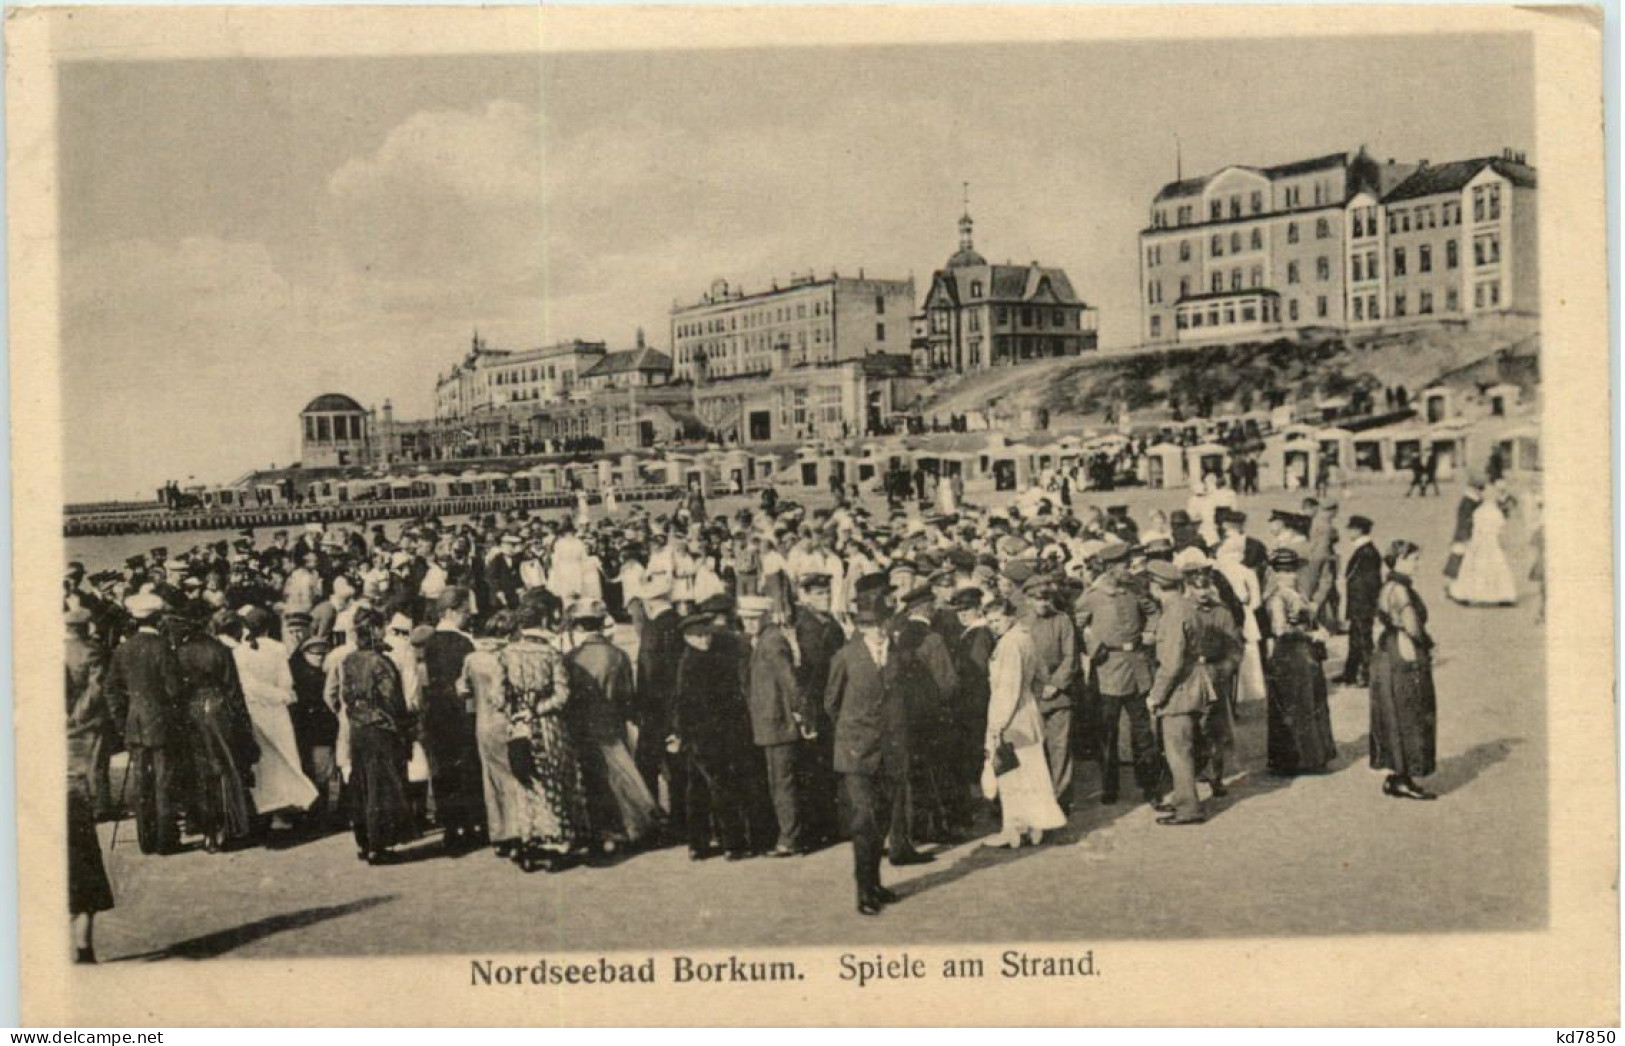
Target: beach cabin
1502	399
1448	445
1206	459
1163	466
1369	455
1520	451
1336	447
1294	457
1436	405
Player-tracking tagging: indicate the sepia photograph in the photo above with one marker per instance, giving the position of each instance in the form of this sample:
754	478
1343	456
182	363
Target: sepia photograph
640	513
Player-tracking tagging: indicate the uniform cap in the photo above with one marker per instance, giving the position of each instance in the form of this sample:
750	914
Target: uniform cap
143	605
754	606
1018	570
1165	575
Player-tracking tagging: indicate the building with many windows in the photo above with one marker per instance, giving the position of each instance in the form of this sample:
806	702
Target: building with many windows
978	315
1337	241
1450	241
488	379
729	333
1248	249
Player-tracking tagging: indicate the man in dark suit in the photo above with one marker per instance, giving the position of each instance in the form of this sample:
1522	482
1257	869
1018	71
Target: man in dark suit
819	638
929	724
502	574
144	695
780	725
1363	581
868	697
448	725
659	652
711	729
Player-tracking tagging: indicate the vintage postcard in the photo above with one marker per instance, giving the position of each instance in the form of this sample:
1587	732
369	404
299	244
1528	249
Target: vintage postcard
829	516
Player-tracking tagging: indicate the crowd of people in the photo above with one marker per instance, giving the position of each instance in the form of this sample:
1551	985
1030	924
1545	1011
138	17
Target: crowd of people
768	683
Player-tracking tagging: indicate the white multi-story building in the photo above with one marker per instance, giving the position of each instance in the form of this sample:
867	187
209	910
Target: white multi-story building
729	333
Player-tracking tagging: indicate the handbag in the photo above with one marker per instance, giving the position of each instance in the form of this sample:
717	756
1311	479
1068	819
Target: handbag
417	768
1004	758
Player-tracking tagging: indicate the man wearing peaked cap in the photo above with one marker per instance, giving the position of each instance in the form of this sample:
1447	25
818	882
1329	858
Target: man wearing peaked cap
144	693
1180	692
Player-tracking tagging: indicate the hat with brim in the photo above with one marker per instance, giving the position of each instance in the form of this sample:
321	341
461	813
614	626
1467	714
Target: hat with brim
871	586
967	598
698	623
1165	575
917	597
872	611
754	606
144	605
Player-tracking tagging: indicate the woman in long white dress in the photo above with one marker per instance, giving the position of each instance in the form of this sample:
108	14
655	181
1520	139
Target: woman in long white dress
1244	582
1486	578
262	663
1025	793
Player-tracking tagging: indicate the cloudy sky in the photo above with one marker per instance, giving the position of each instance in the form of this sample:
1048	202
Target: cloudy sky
240	236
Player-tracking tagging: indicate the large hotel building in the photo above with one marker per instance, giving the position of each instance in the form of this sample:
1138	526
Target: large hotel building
729	333
1337	242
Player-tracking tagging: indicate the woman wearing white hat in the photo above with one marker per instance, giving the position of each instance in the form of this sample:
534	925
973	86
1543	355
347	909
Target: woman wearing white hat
262	663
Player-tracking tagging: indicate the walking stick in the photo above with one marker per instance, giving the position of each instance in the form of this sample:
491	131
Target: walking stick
123	792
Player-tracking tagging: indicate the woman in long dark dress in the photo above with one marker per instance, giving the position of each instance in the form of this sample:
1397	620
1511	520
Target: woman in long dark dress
89	891
373	702
221	739
1300	722
1404	712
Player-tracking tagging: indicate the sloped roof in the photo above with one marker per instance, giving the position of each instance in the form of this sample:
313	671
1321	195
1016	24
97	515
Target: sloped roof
1297	167
333	401
1005	284
642	360
1454	176
1194	186
1188	187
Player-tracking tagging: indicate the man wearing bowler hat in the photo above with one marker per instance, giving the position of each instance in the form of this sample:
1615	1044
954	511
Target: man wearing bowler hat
868	697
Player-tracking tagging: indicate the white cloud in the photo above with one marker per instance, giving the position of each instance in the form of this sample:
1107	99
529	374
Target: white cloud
487	158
